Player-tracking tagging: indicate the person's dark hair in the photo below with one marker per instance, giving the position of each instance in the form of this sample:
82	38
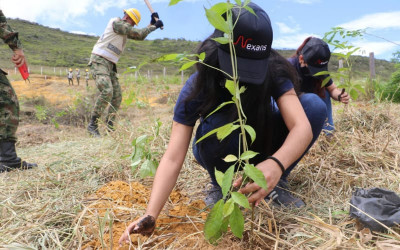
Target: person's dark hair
315	81
256	100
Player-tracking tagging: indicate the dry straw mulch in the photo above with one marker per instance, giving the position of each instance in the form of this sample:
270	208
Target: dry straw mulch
70	202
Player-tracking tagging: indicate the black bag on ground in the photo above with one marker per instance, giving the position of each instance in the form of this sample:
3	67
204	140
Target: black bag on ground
381	204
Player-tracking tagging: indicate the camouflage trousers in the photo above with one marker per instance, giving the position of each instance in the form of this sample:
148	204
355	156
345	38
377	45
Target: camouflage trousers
9	110
105	75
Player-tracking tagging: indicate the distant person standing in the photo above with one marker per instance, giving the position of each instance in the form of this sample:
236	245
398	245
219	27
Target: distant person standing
9	108
87	77
70	76
78	75
105	55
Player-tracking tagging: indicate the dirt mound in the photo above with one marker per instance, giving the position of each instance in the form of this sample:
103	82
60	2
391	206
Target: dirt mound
118	203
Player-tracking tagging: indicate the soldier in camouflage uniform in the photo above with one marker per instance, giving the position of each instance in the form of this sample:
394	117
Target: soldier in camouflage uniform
9	106
105	55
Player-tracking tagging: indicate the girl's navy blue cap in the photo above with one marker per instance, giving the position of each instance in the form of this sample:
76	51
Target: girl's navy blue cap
316	54
252	37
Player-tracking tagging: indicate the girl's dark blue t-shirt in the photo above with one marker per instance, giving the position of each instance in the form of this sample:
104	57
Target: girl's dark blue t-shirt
186	112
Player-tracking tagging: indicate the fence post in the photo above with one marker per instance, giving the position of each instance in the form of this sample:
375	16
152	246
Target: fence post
371	65
371	89
135	75
182	79
41	70
164	72
341	66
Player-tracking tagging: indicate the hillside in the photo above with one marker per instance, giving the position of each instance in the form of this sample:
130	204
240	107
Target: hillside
46	46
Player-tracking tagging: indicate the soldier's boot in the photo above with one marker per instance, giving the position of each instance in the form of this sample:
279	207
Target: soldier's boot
110	124
93	126
9	159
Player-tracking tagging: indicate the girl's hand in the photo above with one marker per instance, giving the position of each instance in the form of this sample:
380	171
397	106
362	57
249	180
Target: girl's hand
272	173
343	97
144	225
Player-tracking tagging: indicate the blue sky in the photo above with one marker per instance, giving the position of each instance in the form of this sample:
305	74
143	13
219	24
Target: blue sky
292	20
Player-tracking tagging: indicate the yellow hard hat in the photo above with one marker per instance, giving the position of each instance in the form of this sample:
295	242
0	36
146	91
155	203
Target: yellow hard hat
87	70
134	14
70	69
76	69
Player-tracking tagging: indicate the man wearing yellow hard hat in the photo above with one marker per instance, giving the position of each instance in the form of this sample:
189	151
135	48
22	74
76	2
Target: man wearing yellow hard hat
87	77
105	55
70	76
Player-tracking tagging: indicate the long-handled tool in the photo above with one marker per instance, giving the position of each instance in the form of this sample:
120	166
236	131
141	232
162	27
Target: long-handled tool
151	10
23	70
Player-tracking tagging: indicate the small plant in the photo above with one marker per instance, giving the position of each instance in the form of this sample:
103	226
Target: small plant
346	51
58	115
227	211
41	113
142	154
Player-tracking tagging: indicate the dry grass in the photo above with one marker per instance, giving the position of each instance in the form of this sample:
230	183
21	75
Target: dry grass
42	208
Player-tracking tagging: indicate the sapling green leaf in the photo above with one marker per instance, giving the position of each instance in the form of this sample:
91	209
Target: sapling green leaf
256	175
187	65
169	57
226	130
354	94
221	132
173	2
240	199
219	107
219	176
225	224
202	56
212	226
141	140
217	21
228	207
227	180
248	155
249	9
236	221
230	86
221	40
221	8
325	81
230	158
148	168
250	130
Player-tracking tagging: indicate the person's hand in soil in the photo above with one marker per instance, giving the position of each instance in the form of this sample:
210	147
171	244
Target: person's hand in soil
144	225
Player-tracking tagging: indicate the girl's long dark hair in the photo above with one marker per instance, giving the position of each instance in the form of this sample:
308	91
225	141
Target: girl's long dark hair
316	82
256	100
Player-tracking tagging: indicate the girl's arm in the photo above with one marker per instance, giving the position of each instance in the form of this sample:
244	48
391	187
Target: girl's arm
164	181
335	93
299	137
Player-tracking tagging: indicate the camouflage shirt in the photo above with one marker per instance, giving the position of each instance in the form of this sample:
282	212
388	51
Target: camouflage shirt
8	35
124	28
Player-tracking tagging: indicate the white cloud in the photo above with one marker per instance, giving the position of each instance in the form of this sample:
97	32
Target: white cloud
285	29
379	48
290	41
380	20
59	11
